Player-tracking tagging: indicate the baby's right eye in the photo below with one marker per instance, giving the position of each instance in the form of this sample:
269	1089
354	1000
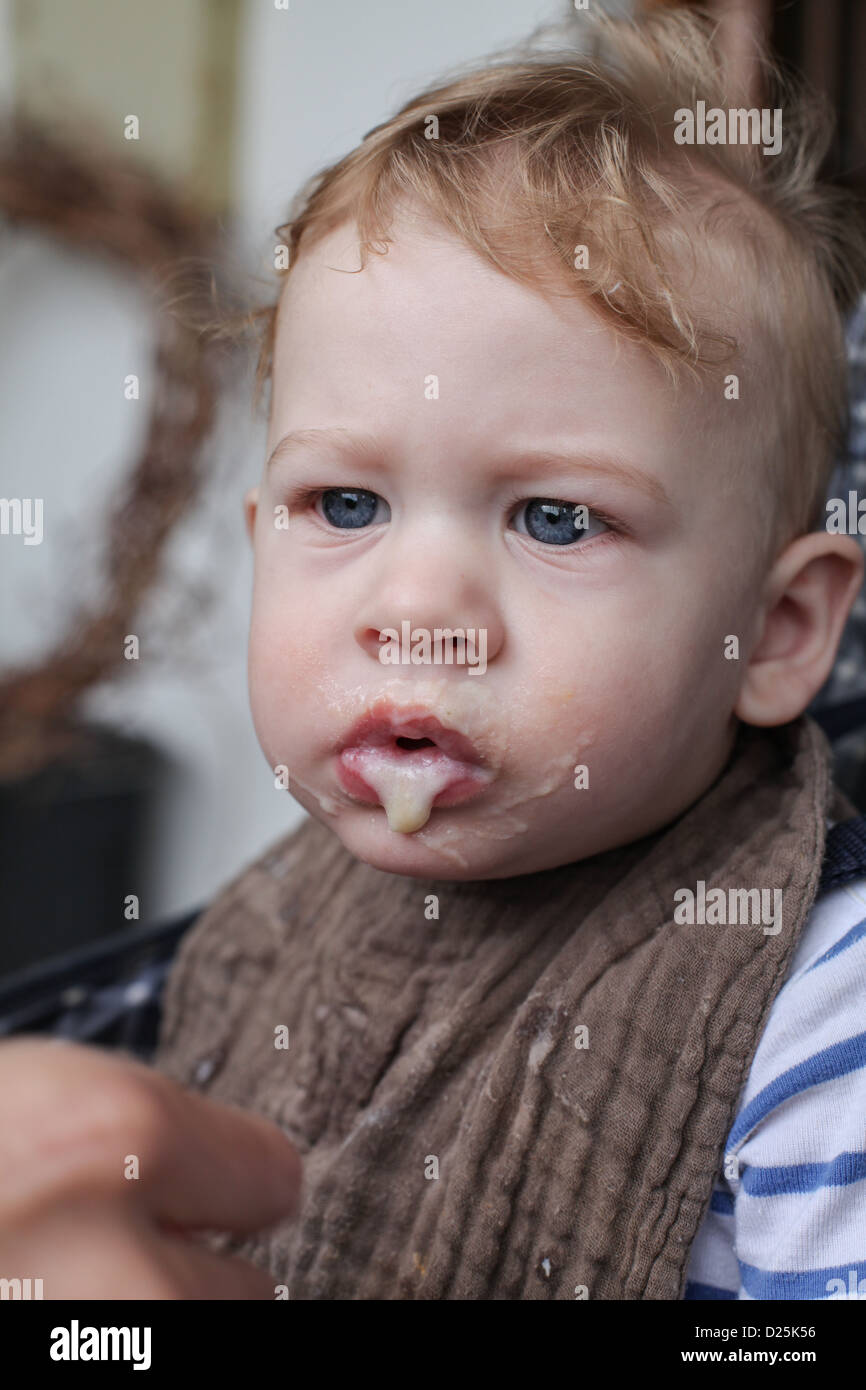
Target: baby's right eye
350	508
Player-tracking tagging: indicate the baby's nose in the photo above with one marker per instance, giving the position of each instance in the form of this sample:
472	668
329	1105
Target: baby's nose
439	605
408	643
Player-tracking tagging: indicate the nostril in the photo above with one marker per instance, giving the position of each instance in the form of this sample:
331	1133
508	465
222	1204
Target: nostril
415	742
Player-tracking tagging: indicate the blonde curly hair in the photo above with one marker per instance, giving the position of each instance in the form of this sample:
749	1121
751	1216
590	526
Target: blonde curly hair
531	156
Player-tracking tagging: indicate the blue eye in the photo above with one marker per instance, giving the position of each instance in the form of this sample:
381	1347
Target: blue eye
557	523
351	508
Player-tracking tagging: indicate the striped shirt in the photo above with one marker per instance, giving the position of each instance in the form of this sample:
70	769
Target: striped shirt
787	1218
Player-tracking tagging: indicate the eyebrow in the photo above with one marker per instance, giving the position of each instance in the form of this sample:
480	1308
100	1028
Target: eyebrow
333	437
609	465
365	445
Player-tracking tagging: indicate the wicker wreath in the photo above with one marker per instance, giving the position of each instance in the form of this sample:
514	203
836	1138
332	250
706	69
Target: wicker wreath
96	201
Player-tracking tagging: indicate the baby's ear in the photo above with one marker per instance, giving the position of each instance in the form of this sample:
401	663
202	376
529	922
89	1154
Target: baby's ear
811	589
251	502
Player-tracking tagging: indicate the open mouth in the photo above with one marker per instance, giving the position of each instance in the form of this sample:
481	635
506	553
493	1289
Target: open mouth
408	763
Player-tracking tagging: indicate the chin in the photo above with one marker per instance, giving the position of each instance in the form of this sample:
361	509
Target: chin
366	835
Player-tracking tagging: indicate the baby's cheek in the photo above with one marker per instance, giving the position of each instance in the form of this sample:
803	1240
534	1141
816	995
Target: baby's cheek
606	703
273	688
667	705
586	675
549	720
284	640
291	674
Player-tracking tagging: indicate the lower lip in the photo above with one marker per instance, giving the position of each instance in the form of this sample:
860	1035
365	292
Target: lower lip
466	780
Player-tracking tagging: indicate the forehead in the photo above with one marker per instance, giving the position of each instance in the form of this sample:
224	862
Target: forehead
431	293
356	347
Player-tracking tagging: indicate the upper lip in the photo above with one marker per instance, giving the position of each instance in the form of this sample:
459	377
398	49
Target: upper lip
384	722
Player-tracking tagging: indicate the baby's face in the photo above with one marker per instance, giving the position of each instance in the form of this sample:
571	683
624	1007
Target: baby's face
478	456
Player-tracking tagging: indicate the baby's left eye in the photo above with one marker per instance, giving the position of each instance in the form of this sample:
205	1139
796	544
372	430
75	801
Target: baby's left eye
557	523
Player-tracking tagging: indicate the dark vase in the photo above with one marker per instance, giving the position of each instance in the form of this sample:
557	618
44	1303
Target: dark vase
70	846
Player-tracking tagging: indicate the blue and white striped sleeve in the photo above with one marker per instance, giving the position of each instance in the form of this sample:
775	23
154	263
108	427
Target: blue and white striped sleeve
787	1218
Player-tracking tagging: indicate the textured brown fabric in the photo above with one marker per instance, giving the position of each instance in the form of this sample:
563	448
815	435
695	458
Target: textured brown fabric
416	1042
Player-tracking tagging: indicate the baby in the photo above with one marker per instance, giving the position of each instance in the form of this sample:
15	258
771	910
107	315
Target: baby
546	372
549	991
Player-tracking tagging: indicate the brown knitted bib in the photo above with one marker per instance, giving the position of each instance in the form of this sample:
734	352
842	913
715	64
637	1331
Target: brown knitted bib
528	1094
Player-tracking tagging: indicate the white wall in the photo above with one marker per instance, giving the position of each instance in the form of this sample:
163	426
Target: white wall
314	79
318	77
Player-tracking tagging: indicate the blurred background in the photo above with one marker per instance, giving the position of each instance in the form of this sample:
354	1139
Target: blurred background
147	153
